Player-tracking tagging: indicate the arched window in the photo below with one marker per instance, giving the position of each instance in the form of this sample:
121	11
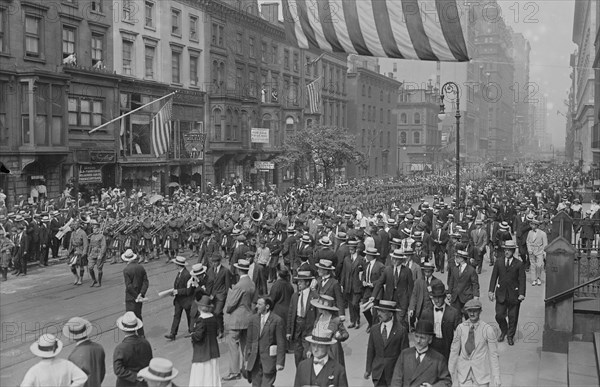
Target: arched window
266	119
402	137
403	118
364	90
381	96
309	123
417	118
217	124
290	127
417	137
389	116
369	91
236	126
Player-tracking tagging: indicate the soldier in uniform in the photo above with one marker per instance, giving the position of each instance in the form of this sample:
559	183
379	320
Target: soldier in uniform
96	253
145	243
78	246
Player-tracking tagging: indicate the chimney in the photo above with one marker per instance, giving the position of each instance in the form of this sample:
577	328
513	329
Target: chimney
270	12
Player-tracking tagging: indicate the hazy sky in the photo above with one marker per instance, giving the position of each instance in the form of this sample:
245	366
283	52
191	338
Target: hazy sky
548	25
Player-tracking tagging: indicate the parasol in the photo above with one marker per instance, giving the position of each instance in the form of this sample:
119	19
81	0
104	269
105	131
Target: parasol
173	184
155	198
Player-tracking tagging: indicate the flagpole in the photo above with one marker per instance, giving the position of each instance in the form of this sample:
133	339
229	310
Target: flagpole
131	112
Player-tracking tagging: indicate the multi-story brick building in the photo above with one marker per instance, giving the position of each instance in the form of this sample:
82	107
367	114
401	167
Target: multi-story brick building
56	83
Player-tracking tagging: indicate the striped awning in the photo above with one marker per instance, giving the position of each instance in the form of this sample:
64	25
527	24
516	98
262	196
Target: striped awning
405	29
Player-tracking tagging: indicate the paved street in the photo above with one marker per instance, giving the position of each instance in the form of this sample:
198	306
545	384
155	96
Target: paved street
45	299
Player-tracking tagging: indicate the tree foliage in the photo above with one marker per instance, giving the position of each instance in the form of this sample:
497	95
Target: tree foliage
323	147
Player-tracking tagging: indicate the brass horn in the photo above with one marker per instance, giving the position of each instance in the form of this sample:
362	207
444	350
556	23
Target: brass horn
257	216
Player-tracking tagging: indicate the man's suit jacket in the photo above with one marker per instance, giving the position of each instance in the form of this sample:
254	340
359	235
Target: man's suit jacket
483	360
332	374
382	355
21	246
463	286
371	278
508	282
130	356
433	369
342	252
239	304
90	357
350	279
479	238
440	235
44	234
309	317
185	295
399	291
218	284
385	242
239	252
332	288
419	300
281	294
415	269
258	343
136	281
451	319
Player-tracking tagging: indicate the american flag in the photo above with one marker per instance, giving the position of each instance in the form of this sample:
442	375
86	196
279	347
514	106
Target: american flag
314	96
161	129
404	29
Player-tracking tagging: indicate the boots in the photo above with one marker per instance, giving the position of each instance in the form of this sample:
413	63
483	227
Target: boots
81	273
100	278
93	276
5	274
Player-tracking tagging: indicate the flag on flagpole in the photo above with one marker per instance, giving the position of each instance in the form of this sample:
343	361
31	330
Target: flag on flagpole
429	30
314	96
121	135
161	129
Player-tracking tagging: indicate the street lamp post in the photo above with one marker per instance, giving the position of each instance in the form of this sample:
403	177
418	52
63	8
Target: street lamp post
452	88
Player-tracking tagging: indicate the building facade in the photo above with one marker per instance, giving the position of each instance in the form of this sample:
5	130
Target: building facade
523	134
372	120
56	84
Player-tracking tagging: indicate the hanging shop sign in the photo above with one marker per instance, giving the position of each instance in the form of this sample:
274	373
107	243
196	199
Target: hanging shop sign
260	135
193	141
89	174
264	165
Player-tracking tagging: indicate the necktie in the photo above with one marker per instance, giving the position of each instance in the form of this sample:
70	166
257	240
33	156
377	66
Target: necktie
470	344
384	333
369	274
396	274
319	361
439	309
419	357
302	309
262	323
508	262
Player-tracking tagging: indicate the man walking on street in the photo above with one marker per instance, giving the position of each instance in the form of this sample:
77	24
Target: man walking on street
136	285
183	297
536	244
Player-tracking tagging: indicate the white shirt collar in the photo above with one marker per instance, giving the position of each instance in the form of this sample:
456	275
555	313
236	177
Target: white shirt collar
388	325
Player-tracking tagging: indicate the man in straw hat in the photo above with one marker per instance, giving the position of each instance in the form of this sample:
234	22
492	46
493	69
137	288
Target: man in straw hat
329	285
386	340
218	282
537	241
396	284
474	357
421	365
373	271
87	355
419	299
159	373
183	297
301	315
352	271
507	286
238	307
320	370
52	371
136	284
132	354
463	281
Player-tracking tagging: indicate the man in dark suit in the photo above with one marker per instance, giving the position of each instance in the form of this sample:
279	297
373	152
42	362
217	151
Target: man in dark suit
444	317
55	224
239	250
522	228
132	354
396	284
385	239
440	240
21	250
328	285
320	370
386	340
325	252
373	271
265	346
33	231
183	297
463	282
136	285
217	285
301	315
420	302
507	286
421	365
87	354
351	282
342	252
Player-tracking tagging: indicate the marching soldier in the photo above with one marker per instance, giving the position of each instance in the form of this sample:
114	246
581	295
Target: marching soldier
96	253
78	248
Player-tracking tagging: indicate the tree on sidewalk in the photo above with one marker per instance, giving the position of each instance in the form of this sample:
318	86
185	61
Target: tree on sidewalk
323	148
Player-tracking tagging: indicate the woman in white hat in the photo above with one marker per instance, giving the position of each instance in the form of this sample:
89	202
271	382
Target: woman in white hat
197	281
205	360
52	371
159	373
328	319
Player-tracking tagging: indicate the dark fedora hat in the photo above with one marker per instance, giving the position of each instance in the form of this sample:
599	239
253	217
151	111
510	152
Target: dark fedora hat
424	327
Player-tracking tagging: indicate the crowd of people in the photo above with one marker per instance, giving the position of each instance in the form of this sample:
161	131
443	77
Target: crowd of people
275	273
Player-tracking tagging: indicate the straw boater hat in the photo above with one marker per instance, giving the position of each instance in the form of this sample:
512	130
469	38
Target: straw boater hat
325	241
198	269
387	305
510	244
179	260
398	254
324	302
128	255
342	236
462	253
305	238
159	369
504	226
371	251
46	346
353	243
129	322
396	242
77	328
325	264
242	264
304	275
428	266
321	336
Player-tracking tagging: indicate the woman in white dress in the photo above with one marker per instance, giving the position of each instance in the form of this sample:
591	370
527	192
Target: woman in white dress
205	360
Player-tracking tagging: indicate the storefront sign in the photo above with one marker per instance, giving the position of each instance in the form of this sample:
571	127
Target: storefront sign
264	165
89	174
193	142
260	135
102	156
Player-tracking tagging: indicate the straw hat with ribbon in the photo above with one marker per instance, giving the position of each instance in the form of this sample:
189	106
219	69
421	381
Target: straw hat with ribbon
77	328
46	346
159	369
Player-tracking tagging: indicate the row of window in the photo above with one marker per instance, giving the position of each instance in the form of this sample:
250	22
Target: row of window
416	118
370	138
369	113
366	92
334	113
129	14
334	79
402	138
